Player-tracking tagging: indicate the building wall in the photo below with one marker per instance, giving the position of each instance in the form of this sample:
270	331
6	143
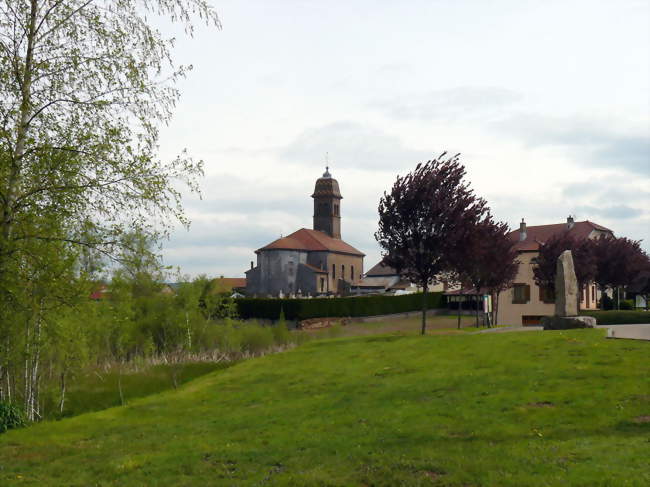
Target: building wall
513	313
339	260
276	271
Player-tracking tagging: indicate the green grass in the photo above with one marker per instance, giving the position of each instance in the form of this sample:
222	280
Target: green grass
507	409
97	390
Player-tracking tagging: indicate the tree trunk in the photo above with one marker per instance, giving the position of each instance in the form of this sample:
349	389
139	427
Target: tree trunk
62	402
495	309
119	385
424	308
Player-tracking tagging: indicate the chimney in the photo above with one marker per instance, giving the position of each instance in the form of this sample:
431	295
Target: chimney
251	264
570	222
522	231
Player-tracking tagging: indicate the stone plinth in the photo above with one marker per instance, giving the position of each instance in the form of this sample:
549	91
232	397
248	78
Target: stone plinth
568	322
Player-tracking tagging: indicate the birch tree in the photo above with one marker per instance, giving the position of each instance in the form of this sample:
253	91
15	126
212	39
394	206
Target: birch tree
84	87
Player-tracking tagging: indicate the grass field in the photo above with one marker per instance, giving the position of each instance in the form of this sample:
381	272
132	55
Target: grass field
507	409
96	390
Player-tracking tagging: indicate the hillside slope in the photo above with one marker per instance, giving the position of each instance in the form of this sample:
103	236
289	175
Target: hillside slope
540	408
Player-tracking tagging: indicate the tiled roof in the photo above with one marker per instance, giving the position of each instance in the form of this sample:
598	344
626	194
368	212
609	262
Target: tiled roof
227	284
381	269
311	241
315	269
538	234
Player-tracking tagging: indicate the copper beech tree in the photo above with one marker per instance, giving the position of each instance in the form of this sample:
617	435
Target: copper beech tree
427	216
486	260
618	262
584	261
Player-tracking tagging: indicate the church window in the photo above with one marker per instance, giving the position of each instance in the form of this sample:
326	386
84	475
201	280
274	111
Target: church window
342	271
333	271
352	273
336	210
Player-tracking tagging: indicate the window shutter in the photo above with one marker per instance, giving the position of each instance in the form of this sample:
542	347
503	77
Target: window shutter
527	293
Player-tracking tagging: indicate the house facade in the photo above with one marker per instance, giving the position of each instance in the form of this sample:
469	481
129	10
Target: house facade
309	261
525	303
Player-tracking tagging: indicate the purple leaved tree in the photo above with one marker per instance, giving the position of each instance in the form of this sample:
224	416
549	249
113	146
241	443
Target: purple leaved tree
425	217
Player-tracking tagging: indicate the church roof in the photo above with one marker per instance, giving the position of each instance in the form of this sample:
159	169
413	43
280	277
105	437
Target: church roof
311	241
537	235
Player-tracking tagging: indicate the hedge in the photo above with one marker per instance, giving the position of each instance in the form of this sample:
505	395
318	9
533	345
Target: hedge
302	309
619	317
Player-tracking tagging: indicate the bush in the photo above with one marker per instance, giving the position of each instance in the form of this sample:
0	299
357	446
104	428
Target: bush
302	309
619	317
256	338
626	304
11	416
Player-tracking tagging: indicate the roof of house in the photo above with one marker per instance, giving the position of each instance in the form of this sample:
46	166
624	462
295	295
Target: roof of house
381	269
227	284
539	234
311	241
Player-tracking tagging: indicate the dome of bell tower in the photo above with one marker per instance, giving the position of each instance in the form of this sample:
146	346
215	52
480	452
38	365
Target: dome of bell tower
327	186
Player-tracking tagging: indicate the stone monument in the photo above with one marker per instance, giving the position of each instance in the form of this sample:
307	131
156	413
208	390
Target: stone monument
566	298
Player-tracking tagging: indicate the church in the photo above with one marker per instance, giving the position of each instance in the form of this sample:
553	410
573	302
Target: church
314	262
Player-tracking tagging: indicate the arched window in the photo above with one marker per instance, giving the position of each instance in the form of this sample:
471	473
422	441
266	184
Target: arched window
342	271
352	273
333	271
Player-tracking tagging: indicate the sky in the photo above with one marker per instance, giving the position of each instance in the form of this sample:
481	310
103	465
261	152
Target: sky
546	101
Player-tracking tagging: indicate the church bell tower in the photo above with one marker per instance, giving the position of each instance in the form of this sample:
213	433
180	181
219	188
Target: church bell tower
327	205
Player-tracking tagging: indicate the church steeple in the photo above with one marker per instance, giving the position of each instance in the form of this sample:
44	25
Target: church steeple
327	205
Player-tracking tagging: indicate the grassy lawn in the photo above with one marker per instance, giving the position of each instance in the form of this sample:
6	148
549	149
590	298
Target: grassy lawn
511	409
97	390
403	326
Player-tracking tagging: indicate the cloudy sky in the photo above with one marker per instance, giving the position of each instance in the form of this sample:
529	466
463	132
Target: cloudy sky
547	101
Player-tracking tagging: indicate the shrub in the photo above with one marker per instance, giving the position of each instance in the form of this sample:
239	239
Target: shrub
11	416
256	338
301	309
619	317
626	304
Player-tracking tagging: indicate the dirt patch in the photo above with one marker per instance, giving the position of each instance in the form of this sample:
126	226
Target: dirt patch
541	404
642	419
433	475
318	323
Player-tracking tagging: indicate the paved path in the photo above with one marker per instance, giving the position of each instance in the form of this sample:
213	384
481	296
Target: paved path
633	332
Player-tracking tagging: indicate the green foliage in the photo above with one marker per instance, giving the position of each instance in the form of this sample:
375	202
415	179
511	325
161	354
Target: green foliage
503	409
619	317
301	309
11	416
626	304
606	302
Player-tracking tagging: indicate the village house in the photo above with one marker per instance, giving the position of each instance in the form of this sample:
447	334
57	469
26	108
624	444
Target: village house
309	261
525	302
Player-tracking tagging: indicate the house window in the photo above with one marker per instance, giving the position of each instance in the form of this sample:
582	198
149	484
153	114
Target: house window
352	273
546	294
333	271
322	284
520	293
